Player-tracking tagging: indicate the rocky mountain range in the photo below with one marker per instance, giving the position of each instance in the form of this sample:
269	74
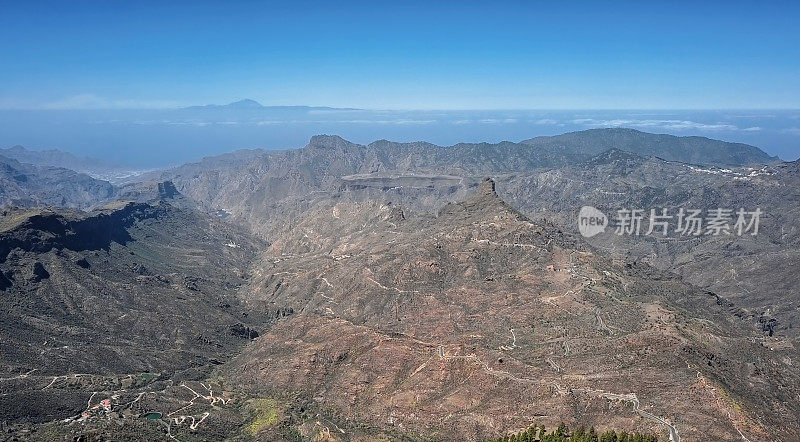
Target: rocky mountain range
693	150
29	185
258	179
54	158
391	292
265	189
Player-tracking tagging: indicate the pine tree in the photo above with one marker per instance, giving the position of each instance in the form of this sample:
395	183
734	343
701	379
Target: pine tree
579	435
608	436
592	435
562	433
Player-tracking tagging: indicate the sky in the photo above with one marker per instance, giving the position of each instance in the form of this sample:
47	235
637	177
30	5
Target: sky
400	55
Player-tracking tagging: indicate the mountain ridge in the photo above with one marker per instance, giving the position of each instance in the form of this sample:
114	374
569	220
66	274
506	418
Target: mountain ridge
250	104
93	167
29	185
687	149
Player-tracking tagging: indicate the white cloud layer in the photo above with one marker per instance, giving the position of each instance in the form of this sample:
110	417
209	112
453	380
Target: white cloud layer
91	101
660	124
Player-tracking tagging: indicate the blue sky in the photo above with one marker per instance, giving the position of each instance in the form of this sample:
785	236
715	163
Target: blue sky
401	55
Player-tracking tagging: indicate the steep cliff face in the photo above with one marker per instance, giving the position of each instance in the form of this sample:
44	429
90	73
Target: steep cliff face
134	288
40	231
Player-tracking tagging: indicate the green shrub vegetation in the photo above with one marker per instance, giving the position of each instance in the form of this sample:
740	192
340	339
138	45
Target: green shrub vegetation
564	434
265	414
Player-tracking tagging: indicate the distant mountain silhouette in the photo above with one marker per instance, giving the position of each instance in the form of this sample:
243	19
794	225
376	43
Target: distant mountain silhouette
56	158
245	104
28	185
248	104
695	150
53	157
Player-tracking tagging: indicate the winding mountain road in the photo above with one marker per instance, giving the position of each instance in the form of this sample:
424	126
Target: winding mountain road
629	398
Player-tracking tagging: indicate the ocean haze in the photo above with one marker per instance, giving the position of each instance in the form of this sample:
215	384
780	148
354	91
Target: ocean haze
150	138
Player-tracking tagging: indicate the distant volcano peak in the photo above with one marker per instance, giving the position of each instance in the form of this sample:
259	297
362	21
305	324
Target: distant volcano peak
246	104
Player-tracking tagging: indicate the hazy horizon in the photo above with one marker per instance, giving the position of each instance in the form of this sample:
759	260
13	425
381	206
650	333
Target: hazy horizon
116	80
155	138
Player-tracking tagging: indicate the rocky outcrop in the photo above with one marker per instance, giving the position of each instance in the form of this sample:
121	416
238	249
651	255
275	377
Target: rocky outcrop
42	231
487	188
242	331
167	190
5	281
39	272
